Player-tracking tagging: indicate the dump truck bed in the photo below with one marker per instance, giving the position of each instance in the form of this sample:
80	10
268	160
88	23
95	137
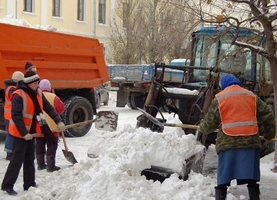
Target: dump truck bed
123	73
68	61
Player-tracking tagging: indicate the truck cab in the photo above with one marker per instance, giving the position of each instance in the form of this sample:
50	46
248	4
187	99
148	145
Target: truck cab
180	62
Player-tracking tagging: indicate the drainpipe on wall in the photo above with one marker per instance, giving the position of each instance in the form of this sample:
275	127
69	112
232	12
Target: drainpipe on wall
15	15
93	14
43	13
11	8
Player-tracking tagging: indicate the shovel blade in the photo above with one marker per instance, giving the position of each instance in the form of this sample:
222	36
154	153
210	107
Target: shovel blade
151	118
69	156
106	120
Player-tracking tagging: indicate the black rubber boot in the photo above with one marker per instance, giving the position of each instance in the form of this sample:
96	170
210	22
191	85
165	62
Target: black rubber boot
51	167
254	192
9	156
220	193
41	162
10	191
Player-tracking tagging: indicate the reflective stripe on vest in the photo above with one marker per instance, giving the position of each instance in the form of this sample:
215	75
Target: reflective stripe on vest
50	122
8	103
237	108
27	112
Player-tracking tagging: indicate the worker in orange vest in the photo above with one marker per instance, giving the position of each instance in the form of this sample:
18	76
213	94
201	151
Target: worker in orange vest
28	103
236	112
42	142
10	87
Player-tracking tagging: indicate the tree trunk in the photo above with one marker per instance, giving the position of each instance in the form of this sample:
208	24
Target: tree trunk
273	64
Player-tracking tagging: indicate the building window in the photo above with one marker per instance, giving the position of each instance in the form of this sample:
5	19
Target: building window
81	10
56	8
28	6
102	12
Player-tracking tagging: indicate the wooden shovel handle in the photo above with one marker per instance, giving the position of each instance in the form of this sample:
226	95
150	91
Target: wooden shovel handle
183	126
80	123
191	126
64	142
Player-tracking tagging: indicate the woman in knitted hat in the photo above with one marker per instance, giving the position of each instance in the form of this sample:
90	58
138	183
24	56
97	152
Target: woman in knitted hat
28	103
10	87
30	67
55	101
236	112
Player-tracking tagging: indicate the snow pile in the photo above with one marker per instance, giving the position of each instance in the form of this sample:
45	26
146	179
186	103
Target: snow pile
8	19
138	149
114	169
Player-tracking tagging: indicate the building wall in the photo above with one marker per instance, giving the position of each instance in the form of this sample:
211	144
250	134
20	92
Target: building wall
2	8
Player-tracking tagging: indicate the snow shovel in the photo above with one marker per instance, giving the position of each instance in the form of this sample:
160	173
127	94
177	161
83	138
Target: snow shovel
68	154
191	126
157	122
105	120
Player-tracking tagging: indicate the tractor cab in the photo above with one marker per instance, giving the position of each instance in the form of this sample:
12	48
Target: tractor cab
214	52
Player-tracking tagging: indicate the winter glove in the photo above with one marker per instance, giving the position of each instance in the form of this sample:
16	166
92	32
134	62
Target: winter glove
61	126
28	136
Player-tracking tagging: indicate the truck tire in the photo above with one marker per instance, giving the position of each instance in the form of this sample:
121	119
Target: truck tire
77	109
139	100
136	101
131	102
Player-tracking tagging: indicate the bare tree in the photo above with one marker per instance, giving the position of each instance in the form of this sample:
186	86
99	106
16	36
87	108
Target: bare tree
149	31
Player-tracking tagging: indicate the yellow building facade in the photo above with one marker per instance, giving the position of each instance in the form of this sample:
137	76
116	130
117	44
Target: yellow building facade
91	18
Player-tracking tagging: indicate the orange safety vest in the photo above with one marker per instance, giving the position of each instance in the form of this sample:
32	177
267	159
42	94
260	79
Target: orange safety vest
237	108
50	122
8	103
27	112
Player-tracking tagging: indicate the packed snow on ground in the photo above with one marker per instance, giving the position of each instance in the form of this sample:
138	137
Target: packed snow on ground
116	160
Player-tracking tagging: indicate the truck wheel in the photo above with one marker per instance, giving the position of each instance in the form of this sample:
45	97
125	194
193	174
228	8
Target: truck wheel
136	101
131	101
139	100
77	109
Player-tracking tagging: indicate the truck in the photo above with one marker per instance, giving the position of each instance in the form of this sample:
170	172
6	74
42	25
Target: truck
73	64
212	55
132	81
